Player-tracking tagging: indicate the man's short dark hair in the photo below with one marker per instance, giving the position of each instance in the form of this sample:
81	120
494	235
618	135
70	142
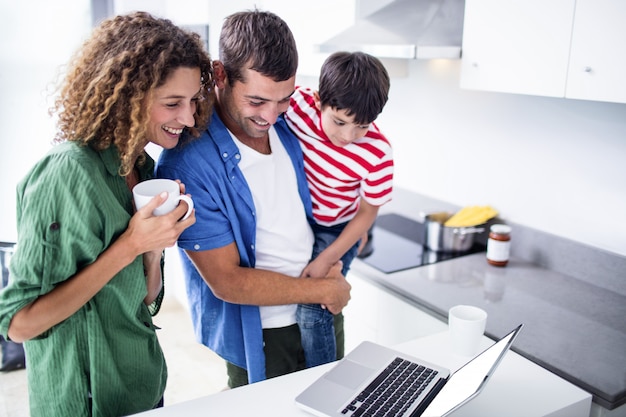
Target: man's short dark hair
258	40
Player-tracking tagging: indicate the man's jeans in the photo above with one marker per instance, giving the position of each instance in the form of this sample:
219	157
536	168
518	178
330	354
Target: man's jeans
316	323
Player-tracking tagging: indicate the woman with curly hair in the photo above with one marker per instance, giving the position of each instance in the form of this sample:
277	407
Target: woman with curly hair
86	275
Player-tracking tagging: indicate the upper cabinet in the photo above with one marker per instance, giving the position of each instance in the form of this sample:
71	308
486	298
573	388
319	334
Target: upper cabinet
559	48
517	46
597	63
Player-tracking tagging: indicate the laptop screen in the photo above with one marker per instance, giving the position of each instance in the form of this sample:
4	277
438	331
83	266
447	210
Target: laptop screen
467	382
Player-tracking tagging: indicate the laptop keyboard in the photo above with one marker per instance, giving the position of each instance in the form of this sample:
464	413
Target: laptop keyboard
392	392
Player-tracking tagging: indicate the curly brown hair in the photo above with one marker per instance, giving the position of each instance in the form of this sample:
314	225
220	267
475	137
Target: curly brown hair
101	101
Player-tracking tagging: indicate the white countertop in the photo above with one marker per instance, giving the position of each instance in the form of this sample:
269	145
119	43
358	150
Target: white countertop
518	388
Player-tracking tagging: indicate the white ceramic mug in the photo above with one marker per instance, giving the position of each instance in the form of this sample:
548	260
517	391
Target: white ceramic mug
147	190
467	326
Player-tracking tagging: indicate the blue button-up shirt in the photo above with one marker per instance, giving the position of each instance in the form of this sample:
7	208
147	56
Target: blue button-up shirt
225	213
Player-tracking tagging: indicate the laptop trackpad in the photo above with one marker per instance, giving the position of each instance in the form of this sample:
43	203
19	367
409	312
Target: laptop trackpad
349	374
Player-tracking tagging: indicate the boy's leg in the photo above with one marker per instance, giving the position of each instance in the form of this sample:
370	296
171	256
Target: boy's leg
318	334
322	333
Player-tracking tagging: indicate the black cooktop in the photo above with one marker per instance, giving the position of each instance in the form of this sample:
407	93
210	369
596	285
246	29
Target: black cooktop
397	243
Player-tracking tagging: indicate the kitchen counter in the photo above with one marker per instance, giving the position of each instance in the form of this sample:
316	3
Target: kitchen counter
575	326
518	388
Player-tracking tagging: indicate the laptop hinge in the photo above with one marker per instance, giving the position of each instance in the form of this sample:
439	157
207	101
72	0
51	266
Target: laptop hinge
429	398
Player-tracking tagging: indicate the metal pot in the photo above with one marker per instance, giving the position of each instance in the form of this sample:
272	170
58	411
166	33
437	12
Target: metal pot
441	238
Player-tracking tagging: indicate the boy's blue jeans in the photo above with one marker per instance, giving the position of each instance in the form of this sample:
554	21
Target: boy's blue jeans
316	324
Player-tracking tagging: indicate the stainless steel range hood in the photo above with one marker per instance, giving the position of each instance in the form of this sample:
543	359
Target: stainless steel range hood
410	29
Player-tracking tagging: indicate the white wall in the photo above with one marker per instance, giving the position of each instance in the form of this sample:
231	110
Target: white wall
181	12
310	22
557	165
38	38
551	164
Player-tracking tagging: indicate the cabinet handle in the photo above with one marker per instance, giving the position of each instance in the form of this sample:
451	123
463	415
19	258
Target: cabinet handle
587	69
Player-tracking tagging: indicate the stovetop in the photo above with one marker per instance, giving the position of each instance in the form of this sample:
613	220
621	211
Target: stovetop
397	243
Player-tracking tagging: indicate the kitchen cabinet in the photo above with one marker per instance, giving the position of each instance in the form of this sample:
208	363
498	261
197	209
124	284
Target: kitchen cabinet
516	46
597	63
560	48
375	314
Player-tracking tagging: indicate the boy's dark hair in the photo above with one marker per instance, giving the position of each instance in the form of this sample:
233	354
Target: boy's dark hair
354	81
258	40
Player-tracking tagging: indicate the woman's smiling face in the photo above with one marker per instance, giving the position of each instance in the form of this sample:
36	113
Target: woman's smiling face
173	107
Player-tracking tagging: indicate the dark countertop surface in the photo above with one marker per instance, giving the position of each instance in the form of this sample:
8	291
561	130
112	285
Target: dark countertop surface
573	327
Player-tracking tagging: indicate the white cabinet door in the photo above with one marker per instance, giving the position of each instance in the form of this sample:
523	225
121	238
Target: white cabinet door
517	46
597	69
558	48
400	321
378	315
360	315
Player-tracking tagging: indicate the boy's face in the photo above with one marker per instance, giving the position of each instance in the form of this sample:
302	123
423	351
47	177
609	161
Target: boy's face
338	126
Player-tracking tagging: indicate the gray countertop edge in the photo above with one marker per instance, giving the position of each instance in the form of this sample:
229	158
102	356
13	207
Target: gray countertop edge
571	297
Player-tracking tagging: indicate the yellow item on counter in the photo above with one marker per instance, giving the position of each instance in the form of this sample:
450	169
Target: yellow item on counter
471	216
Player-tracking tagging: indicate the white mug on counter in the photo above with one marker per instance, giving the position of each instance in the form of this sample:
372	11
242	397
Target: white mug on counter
147	190
467	326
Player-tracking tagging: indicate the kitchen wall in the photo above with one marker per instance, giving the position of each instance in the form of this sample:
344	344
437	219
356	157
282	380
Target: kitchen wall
556	165
551	164
38	38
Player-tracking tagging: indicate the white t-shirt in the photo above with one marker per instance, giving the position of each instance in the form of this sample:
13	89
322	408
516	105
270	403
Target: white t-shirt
284	239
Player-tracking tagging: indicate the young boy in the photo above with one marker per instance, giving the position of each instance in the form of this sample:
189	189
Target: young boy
349	169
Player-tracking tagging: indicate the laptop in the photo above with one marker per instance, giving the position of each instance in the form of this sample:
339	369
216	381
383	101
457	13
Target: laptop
373	380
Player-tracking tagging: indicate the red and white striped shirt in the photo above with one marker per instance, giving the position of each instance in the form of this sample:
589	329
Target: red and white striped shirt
339	176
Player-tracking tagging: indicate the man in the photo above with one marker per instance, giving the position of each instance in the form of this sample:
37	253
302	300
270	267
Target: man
252	236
